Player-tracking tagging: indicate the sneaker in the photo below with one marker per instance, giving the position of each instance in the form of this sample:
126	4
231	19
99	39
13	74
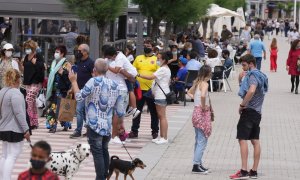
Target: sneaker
136	113
253	174
116	140
241	174
205	169
75	135
197	170
155	140
162	141
133	135
129	111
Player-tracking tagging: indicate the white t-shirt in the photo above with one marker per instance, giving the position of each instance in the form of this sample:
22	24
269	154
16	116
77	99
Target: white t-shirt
122	62
212	62
118	78
15	65
130	58
163	75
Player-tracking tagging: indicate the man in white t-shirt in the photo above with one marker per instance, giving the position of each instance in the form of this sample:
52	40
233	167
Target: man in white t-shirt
120	71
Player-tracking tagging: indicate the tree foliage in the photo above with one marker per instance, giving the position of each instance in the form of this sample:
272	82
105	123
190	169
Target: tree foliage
230	4
101	12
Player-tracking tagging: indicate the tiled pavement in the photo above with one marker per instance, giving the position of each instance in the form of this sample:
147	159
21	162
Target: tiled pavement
280	135
60	141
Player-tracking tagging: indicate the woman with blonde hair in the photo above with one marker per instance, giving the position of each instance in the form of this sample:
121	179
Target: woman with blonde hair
273	55
34	70
13	125
201	117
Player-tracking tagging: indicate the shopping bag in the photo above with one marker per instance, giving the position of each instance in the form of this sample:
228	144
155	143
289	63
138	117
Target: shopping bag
67	109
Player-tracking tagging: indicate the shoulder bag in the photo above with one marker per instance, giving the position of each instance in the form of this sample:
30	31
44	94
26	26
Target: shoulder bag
170	97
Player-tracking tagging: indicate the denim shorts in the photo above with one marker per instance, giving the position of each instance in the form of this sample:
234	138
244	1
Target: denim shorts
161	102
130	85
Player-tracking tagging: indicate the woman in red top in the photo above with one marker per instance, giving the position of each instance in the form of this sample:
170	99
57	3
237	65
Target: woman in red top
273	55
291	65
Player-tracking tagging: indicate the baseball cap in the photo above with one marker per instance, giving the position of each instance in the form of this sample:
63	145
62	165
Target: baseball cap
8	46
183	60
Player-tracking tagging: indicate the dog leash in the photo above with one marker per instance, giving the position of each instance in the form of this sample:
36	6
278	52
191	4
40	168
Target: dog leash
126	150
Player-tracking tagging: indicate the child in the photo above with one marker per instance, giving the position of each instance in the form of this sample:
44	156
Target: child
39	157
273	55
201	117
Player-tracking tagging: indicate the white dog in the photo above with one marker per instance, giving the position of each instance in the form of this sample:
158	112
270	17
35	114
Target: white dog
67	163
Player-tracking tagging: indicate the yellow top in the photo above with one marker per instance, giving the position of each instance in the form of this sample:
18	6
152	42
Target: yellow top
145	66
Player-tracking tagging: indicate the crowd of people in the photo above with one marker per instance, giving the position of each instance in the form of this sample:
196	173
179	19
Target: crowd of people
107	90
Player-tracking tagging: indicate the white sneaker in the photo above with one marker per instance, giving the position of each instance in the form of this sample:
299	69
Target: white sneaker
116	140
129	111
136	113
162	141
155	140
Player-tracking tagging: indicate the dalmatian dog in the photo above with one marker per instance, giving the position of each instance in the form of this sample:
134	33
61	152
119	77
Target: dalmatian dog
67	163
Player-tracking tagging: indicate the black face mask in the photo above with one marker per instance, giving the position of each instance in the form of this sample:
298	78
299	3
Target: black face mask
147	50
37	164
78	55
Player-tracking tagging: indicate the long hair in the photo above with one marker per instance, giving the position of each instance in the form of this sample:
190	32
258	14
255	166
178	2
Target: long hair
204	72
294	44
274	43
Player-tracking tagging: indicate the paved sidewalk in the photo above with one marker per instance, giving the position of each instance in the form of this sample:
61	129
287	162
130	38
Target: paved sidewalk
280	159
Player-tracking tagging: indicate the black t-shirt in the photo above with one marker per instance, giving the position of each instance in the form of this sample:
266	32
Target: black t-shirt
85	70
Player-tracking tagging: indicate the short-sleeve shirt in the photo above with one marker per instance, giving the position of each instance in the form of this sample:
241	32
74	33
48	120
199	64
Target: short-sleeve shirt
193	64
118	78
163	75
124	63
256	48
146	66
181	74
47	175
102	99
258	97
85	70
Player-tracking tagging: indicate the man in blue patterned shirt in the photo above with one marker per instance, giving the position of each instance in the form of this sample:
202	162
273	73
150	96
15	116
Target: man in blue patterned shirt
102	100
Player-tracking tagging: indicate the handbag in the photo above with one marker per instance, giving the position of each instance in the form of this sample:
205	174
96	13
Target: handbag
298	64
170	97
67	109
41	99
212	114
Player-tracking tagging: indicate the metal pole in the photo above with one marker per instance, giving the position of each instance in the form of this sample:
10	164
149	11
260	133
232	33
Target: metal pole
295	12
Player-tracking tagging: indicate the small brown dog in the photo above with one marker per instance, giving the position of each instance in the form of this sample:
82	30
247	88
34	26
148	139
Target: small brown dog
126	167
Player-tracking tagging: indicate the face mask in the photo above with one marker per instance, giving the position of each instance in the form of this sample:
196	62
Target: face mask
56	55
158	62
174	52
28	51
37	164
6	22
78	55
147	50
189	49
8	53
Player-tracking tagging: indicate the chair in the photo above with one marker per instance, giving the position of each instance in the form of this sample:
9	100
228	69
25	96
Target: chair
188	83
220	75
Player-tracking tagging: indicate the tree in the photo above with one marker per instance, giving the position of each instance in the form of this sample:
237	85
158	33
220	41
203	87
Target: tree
178	12
232	4
288	9
280	7
101	12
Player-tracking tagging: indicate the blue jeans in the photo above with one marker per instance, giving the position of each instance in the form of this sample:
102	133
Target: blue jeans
99	149
200	145
258	62
80	115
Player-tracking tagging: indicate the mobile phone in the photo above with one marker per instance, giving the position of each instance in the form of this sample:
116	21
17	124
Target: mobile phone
75	68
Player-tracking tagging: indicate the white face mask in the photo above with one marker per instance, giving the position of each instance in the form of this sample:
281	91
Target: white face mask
8	54
158	62
28	51
56	55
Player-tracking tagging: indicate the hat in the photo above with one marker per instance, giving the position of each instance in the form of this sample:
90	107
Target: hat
183	60
8	46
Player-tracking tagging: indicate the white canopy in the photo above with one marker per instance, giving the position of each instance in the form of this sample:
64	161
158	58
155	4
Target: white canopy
238	23
216	11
